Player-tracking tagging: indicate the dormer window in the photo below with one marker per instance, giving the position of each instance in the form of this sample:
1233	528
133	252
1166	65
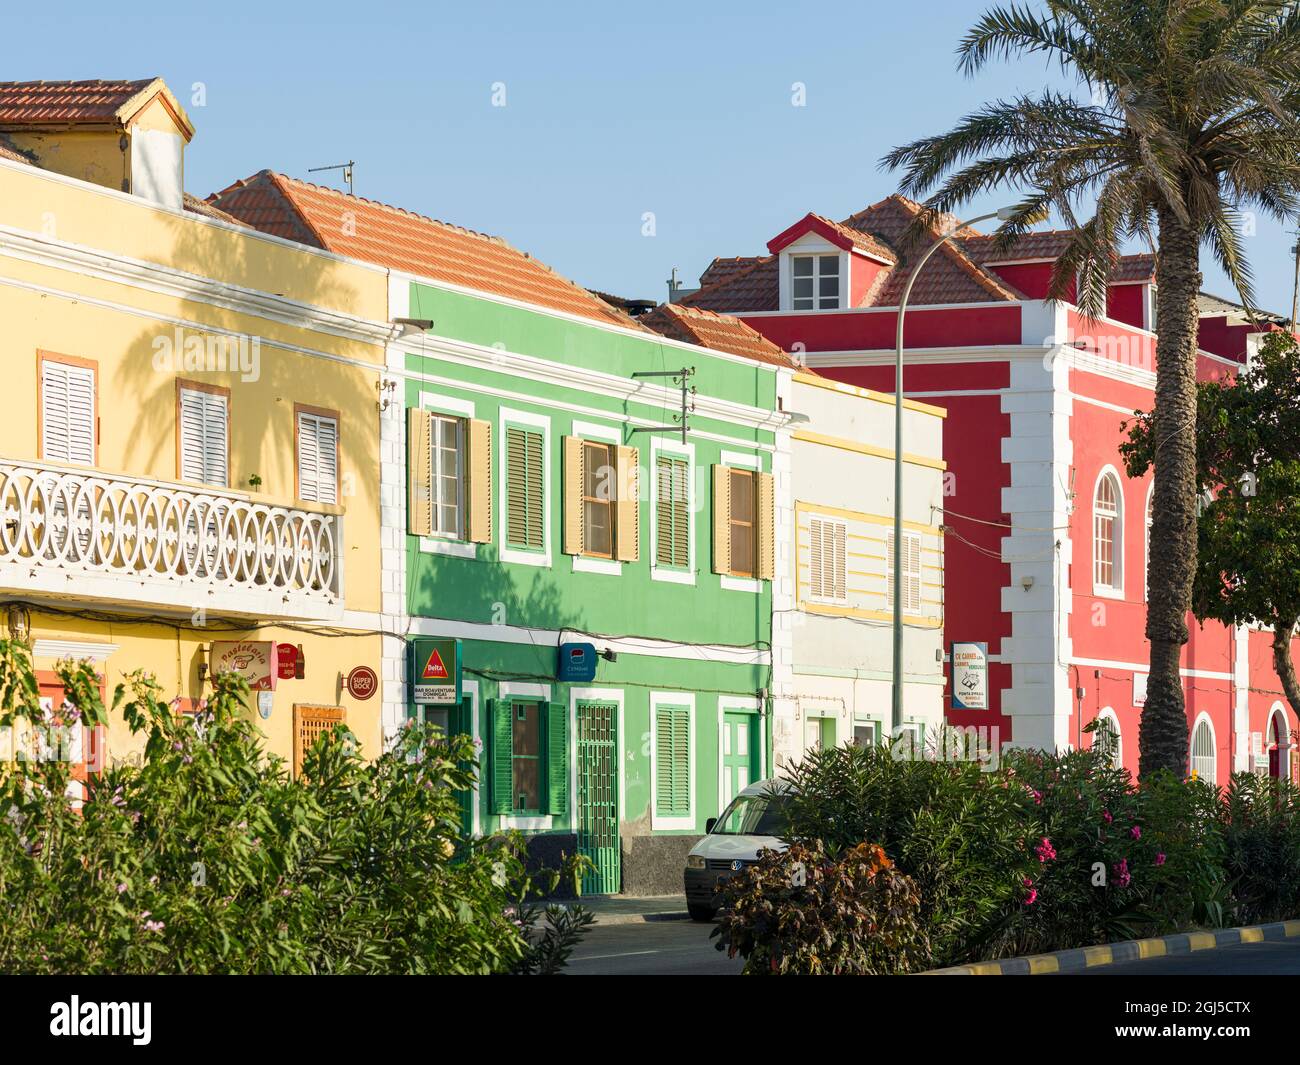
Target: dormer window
815	282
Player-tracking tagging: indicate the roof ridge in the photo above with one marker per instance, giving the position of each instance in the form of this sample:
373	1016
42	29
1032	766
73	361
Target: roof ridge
729	279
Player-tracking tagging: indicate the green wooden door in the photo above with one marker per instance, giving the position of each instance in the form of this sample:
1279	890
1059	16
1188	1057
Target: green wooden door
598	797
453	721
741	738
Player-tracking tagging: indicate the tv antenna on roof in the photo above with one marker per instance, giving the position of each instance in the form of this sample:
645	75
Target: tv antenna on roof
345	167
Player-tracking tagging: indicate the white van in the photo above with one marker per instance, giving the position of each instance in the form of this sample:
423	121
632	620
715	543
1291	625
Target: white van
748	825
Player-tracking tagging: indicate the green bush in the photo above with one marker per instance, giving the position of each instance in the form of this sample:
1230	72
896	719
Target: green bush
208	858
801	912
1261	827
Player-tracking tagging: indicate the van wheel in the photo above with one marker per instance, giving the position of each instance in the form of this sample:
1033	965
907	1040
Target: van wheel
701	913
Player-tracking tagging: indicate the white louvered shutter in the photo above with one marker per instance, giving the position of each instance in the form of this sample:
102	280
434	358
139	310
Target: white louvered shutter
67	413
318	458
204	439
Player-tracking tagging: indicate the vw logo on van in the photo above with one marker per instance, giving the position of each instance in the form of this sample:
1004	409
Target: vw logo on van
737	865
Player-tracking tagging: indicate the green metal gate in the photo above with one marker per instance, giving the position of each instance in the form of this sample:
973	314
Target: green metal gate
598	796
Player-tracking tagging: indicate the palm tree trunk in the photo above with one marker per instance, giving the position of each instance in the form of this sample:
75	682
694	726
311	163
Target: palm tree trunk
1162	736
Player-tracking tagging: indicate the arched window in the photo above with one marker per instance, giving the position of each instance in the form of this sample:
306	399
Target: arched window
1279	744
1203	750
1107	738
1146	551
1107	534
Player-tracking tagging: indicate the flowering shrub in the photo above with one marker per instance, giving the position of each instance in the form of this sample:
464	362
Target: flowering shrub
208	858
802	912
1045	852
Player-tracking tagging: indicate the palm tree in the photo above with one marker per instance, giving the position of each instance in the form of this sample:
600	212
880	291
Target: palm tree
1191	120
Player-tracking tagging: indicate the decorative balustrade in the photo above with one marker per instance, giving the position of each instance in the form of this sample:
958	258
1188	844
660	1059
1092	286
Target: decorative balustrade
168	541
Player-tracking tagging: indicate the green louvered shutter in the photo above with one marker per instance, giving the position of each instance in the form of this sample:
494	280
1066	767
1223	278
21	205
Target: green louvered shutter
462	723
525	505
672	513
672	761
502	753
557	759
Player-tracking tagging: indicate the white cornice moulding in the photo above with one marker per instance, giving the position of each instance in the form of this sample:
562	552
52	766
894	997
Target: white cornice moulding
77	650
171	281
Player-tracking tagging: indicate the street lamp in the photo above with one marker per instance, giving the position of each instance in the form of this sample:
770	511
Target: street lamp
1002	214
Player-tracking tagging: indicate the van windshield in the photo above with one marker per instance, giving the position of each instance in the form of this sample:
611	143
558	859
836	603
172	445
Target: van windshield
752	815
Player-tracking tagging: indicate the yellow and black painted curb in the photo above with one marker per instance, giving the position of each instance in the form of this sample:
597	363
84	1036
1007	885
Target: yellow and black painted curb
1073	961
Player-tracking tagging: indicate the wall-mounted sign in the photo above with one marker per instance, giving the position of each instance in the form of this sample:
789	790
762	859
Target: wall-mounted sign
576	662
1140	689
265	701
361	683
254	660
970	676
435	671
292	664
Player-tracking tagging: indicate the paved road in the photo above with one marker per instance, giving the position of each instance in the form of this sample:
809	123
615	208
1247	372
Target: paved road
1280	958
654	948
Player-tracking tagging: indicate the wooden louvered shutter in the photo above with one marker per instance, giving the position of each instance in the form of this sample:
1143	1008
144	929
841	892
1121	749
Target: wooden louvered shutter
502	739
827	562
672	512
419	472
318	457
575	472
627	523
817	558
765	527
309	724
478	493
557	759
906	566
672	761
721	519
204	437
67	412
524	487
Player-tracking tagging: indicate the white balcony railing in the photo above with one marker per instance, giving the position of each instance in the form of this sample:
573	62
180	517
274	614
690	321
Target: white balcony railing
87	535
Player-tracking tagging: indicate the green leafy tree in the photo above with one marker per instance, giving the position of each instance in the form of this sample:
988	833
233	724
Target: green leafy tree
1248	474
1191	118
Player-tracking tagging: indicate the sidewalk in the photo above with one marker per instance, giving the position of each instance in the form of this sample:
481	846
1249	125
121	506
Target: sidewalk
631	909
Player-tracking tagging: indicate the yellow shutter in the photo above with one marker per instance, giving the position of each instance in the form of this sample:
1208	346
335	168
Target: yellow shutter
574	476
765	527
479	489
419	472
721	519
627	523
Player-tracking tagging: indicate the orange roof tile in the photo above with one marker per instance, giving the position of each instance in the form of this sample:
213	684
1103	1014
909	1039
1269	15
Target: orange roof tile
721	332
97	102
402	240
753	287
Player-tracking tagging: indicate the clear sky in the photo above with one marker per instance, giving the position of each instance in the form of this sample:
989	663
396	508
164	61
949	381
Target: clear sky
681	110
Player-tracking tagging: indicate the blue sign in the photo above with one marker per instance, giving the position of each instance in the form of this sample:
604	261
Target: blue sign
576	662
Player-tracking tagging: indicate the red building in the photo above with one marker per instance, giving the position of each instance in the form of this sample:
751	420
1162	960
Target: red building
1046	538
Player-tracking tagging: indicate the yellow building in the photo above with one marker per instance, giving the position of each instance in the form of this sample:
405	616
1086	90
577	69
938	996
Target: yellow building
189	435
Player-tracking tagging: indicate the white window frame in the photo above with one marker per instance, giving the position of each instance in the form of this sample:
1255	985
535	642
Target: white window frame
542	693
743	461
1212	778
506	416
450	407
672	824
678	451
753	707
224	397
317	417
1114	590
814	596
816	257
611	567
598	695
1108	715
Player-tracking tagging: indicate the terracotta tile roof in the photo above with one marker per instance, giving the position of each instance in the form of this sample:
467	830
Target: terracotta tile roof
1135	268
1049	245
97	102
196	206
748	288
721	332
721	269
862	239
402	240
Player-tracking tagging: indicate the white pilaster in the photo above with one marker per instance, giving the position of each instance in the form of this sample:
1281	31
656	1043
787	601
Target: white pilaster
392	533
787	740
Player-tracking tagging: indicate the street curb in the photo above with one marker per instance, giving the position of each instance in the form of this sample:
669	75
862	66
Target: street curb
1080	958
639	918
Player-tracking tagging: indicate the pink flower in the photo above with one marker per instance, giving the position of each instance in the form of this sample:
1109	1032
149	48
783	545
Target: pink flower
1105	816
1160	858
1032	897
1121	873
121	888
1038	798
1136	832
1027	882
1045	851
154	926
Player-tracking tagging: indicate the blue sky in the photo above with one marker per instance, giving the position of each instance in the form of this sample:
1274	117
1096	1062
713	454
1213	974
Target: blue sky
681	110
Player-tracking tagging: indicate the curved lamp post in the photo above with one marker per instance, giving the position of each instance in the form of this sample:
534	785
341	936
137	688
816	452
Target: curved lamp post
1002	214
